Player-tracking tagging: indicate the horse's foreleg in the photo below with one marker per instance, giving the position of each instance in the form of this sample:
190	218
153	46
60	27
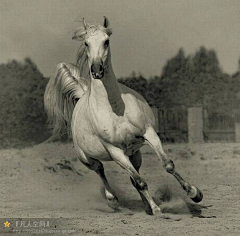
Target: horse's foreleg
136	160
138	182
97	166
152	138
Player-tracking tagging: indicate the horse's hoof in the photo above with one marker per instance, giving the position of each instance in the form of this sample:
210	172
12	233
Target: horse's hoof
196	194
149	211
111	199
113	203
152	211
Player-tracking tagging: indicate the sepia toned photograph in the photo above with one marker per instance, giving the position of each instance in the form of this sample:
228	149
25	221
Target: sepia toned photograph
120	117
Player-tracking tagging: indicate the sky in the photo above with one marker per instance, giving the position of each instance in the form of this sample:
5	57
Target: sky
146	33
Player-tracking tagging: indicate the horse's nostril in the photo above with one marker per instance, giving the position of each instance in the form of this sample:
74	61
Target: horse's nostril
97	70
92	68
101	68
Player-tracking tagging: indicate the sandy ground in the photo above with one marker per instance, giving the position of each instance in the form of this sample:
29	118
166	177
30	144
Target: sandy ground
33	185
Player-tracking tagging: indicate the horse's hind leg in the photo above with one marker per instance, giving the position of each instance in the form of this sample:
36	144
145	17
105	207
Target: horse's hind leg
139	183
97	166
152	138
136	160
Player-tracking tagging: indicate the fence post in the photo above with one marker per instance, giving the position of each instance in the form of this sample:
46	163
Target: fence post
237	127
195	125
237	132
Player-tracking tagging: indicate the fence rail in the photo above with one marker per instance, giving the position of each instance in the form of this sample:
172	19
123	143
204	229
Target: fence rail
180	125
172	125
219	127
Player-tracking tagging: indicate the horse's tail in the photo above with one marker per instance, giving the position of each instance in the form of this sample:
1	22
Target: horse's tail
62	93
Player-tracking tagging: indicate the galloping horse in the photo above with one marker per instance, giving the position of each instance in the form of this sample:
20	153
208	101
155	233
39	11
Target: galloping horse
107	120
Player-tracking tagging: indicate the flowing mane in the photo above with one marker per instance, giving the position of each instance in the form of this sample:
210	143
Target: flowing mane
81	34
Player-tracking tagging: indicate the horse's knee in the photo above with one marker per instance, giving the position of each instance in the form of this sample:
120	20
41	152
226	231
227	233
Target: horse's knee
141	184
169	166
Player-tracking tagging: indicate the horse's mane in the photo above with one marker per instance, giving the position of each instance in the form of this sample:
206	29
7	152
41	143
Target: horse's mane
81	34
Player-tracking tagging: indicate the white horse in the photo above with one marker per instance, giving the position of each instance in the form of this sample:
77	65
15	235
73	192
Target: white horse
107	120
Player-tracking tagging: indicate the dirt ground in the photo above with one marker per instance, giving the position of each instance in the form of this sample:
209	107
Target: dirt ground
39	182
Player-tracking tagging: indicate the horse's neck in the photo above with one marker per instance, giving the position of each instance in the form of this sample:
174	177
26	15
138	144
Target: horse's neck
106	92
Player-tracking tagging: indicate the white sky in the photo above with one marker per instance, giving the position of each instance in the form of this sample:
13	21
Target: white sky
145	32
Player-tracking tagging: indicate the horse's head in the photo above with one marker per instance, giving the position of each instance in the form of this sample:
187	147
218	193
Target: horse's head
96	42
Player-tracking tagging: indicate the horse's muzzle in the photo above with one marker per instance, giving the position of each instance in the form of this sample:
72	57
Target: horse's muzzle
97	70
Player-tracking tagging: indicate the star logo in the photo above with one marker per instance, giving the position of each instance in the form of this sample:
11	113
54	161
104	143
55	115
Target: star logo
7	224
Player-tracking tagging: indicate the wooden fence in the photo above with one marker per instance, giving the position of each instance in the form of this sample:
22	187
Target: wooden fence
219	127
171	125
196	125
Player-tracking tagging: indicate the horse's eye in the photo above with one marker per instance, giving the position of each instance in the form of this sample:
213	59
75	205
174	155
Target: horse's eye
86	44
106	43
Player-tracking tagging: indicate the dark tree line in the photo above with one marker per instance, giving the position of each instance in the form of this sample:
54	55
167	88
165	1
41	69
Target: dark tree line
21	103
186	80
189	80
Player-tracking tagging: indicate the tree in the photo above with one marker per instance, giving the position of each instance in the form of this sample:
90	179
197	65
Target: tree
192	80
170	88
21	102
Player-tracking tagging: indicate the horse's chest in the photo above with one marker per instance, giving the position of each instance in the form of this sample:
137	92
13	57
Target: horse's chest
122	132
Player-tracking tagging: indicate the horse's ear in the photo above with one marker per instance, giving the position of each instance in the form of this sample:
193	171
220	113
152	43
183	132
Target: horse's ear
75	36
84	24
106	22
